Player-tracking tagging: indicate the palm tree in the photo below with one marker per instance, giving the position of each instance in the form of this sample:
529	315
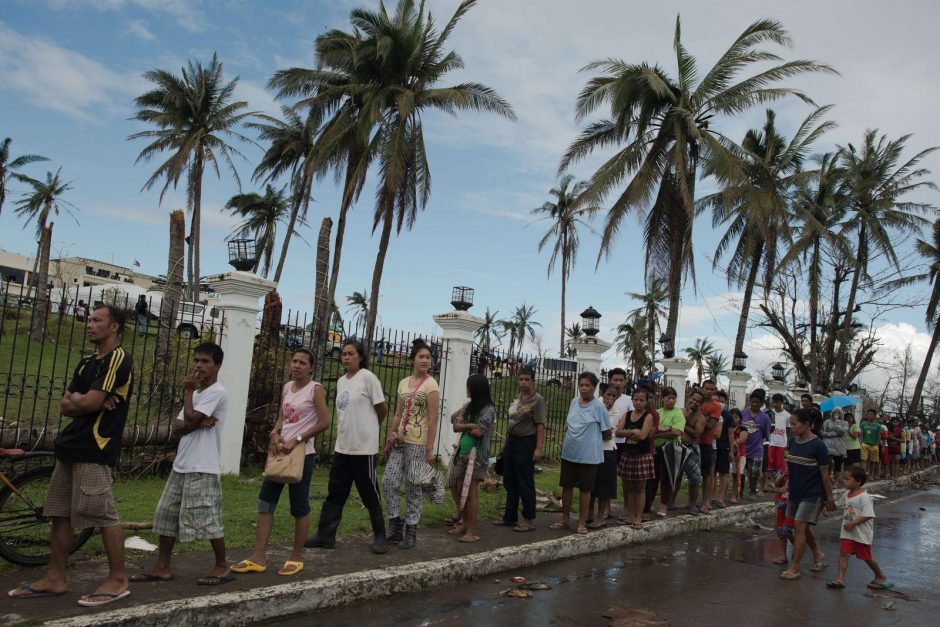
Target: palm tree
632	342
358	305
664	127
930	251
488	330
261	216
398	61
698	353
291	150
508	327
523	324
569	335
566	213
816	210
716	364
756	208
194	114
875	179
44	201
650	310
7	165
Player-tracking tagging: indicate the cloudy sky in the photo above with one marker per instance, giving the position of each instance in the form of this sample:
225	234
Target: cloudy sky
69	70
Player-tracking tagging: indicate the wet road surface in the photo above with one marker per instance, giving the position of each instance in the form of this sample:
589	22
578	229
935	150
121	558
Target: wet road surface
723	577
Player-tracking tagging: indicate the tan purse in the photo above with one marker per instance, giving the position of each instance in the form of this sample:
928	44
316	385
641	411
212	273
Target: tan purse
287	468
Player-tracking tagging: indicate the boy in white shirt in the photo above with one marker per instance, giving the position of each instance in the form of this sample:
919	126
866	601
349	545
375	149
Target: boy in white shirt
858	530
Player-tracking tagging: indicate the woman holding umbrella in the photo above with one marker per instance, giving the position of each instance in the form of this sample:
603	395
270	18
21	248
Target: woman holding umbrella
474	423
833	434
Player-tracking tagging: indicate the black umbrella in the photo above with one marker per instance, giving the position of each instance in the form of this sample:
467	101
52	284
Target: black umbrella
675	456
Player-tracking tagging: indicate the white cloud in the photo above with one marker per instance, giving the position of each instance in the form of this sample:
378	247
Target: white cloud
257	97
187	13
60	79
138	28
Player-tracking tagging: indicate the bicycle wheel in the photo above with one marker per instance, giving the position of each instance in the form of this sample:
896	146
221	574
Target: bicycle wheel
24	531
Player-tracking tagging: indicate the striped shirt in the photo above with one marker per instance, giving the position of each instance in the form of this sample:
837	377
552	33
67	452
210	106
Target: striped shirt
804	460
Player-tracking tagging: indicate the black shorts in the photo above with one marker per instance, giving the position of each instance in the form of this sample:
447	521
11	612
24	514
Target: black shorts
708	459
853	457
763	462
723	461
581	476
605	484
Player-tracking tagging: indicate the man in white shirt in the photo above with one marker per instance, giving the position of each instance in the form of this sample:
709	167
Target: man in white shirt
623	404
779	423
191	505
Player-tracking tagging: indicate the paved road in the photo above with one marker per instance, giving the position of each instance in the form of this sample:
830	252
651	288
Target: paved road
711	578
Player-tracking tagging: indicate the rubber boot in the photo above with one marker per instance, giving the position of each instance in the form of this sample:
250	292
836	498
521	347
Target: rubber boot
394	529
411	537
330	515
377	518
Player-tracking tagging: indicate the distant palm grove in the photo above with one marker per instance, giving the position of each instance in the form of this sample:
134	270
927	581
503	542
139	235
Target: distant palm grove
809	235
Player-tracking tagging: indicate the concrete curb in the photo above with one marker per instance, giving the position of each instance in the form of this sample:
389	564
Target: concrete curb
246	607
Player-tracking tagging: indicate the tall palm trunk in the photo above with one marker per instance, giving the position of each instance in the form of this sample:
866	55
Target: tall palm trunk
172	293
301	199
387	220
564	280
845	335
814	313
194	237
349	193
321	310
928	358
38	321
746	302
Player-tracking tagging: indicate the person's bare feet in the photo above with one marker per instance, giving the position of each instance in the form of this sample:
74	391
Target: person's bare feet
43	586
110	586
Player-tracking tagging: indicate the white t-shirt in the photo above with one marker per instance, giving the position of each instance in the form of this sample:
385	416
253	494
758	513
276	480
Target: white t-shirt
622	405
201	450
778	436
859	505
357	422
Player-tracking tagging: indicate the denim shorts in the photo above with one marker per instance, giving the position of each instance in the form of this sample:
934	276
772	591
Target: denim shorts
299	492
807	511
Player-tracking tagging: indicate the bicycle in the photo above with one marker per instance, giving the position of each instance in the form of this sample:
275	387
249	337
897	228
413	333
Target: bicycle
24	531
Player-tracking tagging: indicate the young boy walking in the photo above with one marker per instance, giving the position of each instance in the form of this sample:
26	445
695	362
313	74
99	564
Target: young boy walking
191	505
858	530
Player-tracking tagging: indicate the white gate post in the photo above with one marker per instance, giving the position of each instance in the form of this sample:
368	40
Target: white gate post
458	329
590	353
239	294
737	388
676	370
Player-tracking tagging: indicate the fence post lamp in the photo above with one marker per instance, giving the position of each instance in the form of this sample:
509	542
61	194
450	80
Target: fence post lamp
241	254
462	298
590	322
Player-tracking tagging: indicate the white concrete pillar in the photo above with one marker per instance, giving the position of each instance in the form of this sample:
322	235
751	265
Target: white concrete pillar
676	372
239	293
458	329
774	387
590	354
737	388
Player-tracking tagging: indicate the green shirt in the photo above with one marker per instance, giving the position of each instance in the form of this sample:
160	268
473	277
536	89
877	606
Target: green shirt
851	438
871	433
670	419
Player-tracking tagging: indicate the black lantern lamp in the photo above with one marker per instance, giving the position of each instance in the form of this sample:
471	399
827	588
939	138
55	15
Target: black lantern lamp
668	344
590	322
778	371
241	254
462	298
739	361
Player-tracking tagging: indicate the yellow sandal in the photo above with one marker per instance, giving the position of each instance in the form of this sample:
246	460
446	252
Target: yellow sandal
290	568
247	566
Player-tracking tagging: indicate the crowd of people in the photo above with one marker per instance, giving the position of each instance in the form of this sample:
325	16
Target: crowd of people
725	455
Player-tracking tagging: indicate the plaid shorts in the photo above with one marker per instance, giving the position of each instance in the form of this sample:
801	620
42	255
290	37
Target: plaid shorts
693	465
190	507
82	493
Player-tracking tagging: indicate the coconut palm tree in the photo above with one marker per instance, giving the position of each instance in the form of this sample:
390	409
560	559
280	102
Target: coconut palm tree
755	210
523	324
488	330
261	216
876	178
698	353
716	364
663	128
651	310
44	201
566	213
631	342
399	61
569	335
291	150
930	251
7	165
194	114
358	305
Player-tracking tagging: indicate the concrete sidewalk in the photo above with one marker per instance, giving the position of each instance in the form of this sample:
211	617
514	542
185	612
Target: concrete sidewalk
348	573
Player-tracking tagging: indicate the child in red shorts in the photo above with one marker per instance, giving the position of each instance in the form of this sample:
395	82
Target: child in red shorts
784	524
858	530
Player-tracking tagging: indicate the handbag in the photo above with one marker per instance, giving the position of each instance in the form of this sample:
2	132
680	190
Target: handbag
498	465
287	468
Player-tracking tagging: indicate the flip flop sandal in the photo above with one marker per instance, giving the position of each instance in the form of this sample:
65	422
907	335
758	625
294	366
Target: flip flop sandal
468	540
790	576
582	530
108	597
450	521
818	567
215	580
780	561
33	592
294	568
558	526
835	585
874	585
148	578
247	566
524	528
599	524
661	514
455	531
503	523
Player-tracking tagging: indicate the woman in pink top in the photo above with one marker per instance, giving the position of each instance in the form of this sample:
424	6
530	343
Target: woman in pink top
299	421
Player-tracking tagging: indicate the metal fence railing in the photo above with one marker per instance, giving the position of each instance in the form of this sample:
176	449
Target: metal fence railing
35	371
271	369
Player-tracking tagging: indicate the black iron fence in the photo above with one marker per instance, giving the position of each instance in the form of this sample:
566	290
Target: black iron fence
271	369
36	366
